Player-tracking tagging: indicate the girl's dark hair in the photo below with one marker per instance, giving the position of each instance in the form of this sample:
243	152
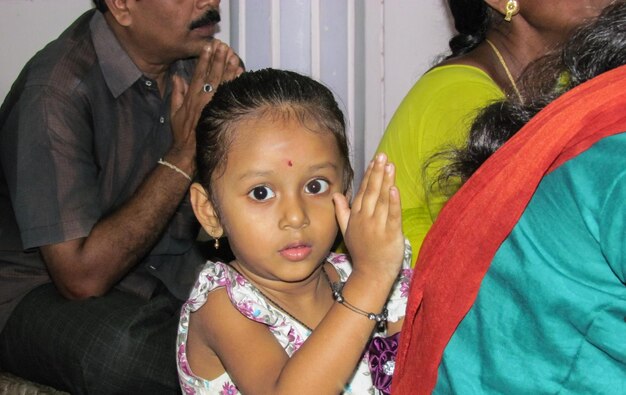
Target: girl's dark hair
266	92
472	19
101	5
591	50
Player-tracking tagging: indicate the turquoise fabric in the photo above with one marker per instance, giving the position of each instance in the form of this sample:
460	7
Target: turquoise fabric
550	316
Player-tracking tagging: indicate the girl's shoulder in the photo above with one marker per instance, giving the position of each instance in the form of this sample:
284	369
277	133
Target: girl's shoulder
342	265
242	294
213	275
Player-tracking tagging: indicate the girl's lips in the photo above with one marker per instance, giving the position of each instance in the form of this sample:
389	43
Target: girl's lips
296	253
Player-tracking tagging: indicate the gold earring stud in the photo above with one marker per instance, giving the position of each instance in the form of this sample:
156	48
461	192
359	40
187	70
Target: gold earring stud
512	8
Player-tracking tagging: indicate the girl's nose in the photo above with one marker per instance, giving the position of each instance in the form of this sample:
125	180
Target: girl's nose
294	213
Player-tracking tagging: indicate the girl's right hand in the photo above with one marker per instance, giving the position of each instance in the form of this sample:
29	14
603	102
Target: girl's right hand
372	228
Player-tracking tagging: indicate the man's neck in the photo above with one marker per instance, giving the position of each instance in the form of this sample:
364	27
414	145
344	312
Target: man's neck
151	65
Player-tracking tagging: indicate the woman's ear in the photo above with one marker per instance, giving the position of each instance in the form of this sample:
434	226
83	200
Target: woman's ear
204	211
501	6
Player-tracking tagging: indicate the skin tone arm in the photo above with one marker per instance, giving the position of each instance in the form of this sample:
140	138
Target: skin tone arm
90	266
250	353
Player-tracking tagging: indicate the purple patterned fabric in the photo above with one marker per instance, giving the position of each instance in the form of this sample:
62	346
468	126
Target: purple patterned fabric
382	360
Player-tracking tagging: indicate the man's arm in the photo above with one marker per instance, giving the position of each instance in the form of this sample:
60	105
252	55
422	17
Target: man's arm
91	265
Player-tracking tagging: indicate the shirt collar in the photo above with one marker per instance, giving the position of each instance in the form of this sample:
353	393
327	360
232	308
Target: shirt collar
118	69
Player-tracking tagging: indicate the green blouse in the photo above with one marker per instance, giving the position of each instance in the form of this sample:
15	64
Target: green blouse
435	114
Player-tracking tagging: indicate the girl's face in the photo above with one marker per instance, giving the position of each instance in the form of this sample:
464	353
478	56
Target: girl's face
275	197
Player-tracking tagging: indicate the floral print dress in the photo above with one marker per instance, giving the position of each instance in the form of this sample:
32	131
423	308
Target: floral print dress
289	333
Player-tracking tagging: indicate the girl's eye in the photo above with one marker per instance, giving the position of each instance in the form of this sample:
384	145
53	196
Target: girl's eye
317	186
261	193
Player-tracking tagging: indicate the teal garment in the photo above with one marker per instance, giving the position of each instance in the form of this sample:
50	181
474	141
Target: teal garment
550	316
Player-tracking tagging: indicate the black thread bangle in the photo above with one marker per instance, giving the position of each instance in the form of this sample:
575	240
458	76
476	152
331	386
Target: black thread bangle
380	319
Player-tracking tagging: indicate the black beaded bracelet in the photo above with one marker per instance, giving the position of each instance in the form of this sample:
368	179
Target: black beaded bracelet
381	319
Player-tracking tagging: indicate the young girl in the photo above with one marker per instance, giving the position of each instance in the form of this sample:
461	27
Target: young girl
273	171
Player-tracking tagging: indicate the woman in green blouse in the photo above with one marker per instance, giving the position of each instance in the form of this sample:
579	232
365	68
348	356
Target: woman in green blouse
497	39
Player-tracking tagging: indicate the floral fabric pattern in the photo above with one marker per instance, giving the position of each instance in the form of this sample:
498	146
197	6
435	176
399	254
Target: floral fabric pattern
290	334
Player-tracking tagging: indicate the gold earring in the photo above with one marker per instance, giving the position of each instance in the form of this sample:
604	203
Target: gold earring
512	8
216	244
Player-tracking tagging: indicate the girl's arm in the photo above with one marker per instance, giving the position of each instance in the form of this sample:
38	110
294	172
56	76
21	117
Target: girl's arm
323	365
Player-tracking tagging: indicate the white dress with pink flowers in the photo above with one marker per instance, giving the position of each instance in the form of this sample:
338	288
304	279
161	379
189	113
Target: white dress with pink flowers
289	333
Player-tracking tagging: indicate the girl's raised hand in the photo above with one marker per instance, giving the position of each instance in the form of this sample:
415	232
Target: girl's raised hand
372	228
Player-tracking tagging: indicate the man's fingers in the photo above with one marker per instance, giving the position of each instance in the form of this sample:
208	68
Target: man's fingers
179	90
202	67
233	66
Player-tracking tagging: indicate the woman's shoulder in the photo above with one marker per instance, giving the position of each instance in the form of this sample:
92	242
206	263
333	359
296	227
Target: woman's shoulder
451	77
448	87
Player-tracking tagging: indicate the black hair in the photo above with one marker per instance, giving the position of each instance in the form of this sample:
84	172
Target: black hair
591	50
265	92
472	19
101	5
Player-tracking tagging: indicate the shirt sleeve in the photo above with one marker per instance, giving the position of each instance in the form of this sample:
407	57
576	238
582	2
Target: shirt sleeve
52	174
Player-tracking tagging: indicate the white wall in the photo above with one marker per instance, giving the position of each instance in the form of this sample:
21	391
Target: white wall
403	38
26	26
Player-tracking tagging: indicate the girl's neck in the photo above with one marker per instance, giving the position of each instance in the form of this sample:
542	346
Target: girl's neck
306	301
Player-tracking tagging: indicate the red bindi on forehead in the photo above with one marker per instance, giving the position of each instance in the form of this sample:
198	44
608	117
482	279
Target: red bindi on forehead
289	163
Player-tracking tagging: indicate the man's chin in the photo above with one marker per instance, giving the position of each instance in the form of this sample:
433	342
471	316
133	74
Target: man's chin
195	48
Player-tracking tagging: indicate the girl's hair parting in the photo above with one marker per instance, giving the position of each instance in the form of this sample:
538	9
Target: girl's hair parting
591	50
267	92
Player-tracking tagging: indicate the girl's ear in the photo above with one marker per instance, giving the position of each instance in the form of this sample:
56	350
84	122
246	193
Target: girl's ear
204	210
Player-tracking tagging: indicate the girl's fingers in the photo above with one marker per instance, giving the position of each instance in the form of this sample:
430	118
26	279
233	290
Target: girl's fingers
394	217
372	193
356	203
388	180
342	211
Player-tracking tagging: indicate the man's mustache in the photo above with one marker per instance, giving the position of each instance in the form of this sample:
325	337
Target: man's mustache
212	16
